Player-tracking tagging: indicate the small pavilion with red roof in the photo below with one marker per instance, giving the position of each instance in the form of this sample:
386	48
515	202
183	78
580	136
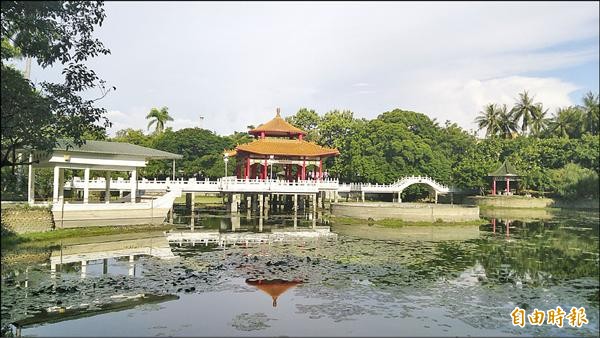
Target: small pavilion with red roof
277	142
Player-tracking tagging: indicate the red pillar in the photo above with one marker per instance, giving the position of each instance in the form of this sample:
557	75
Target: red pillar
507	185
303	175
494	187
320	169
265	171
493	225
247	168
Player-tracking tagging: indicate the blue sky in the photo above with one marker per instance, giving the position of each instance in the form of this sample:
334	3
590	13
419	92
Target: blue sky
234	63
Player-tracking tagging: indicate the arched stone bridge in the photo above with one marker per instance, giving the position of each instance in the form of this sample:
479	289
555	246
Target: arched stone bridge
398	187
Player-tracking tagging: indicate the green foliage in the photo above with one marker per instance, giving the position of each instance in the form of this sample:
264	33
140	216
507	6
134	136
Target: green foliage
307	120
51	33
572	181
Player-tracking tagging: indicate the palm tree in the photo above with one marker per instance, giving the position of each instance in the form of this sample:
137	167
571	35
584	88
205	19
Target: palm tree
160	117
524	110
591	109
539	122
507	122
566	122
488	118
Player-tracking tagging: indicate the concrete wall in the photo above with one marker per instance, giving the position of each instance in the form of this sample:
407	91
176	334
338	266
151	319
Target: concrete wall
21	219
412	212
510	201
531	202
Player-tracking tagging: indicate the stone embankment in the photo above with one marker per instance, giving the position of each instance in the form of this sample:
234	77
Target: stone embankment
530	202
411	212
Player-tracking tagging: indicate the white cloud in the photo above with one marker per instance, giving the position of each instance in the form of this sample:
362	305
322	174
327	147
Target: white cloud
234	63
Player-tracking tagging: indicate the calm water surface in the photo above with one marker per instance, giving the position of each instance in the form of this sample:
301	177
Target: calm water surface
366	281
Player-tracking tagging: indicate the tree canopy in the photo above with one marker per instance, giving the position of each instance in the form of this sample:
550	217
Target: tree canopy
51	33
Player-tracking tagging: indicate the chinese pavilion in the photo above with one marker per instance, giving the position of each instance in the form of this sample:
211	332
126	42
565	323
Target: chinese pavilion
277	142
506	172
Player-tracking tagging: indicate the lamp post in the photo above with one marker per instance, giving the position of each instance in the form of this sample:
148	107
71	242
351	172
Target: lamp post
225	159
271	157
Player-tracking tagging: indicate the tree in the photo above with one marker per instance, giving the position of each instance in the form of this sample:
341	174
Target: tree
539	121
566	122
52	33
591	110
307	120
489	119
506	122
159	117
524	110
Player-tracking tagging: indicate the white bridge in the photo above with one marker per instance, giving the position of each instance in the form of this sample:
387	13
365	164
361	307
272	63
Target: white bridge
234	185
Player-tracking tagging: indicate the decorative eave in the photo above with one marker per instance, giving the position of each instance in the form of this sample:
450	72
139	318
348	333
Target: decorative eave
277	127
286	147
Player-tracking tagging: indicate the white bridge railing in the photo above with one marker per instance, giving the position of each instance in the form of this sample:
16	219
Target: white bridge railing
233	184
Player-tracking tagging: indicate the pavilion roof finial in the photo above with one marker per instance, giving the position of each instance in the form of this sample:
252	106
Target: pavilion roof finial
278	112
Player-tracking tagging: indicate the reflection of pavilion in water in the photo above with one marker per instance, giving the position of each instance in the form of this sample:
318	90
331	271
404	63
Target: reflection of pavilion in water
273	287
110	247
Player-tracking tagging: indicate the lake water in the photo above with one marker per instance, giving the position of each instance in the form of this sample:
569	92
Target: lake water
359	281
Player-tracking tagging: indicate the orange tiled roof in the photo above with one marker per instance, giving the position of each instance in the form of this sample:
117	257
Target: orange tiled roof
277	146
277	127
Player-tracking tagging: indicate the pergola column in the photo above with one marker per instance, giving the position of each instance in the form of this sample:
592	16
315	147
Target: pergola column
86	185
31	183
133	185
507	185
61	185
55	185
494	186
107	187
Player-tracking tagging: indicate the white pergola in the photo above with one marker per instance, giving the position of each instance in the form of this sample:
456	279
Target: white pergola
93	155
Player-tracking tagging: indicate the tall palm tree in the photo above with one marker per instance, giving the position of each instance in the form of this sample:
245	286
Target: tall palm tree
591	109
524	110
539	121
507	122
566	122
159	117
489	119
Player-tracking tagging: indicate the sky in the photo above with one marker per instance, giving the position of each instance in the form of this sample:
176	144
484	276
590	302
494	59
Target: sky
234	63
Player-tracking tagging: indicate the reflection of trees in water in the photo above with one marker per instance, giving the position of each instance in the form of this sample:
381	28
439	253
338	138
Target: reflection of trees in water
536	253
539	253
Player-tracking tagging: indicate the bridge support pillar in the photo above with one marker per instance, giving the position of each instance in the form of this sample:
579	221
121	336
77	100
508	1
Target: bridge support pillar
436	197
362	194
193	197
233	203
336	196
267	201
399	196
295	203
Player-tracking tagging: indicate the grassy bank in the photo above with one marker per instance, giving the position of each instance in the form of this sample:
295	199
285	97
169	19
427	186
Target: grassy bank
397	223
10	239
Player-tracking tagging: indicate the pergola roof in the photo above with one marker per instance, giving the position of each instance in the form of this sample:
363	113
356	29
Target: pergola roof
285	147
277	127
115	148
505	169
